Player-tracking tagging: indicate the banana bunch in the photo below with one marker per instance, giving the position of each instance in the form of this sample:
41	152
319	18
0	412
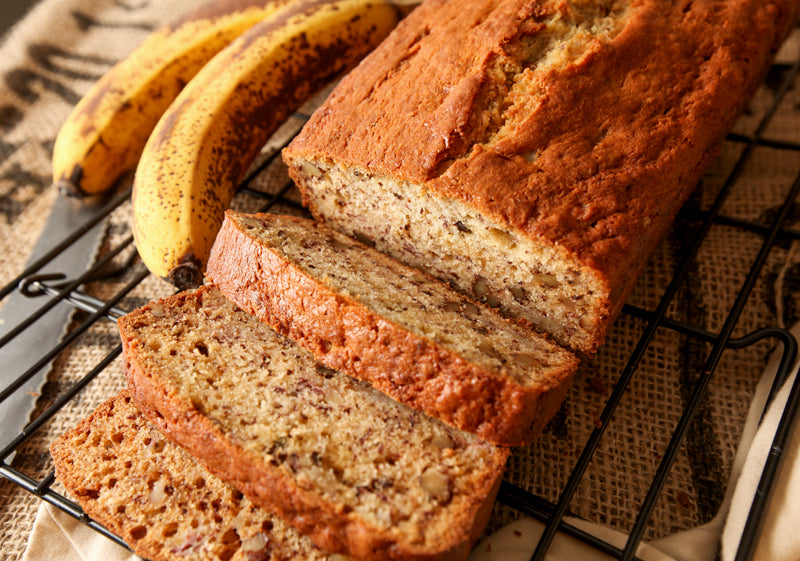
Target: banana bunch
103	137
213	131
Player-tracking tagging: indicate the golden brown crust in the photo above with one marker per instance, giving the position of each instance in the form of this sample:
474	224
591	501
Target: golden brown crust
332	526
598	162
346	335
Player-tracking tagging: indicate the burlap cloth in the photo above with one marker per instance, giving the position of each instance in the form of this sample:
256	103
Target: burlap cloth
62	46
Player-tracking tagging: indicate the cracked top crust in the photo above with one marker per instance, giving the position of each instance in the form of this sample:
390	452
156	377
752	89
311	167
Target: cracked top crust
583	124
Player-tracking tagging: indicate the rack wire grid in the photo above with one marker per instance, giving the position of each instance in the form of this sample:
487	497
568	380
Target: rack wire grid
130	274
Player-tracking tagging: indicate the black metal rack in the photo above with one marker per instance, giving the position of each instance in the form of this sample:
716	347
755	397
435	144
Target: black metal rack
95	310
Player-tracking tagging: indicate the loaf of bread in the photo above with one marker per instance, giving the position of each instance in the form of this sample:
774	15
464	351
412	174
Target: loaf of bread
534	153
411	336
160	500
359	473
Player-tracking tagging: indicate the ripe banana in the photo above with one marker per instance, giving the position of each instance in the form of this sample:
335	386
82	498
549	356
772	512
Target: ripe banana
104	135
210	135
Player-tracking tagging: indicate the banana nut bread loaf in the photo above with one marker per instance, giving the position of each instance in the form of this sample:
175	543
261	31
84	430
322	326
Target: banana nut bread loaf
160	500
534	152
356	471
413	337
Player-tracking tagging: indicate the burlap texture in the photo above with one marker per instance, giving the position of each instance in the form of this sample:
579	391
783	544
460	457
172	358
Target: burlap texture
48	61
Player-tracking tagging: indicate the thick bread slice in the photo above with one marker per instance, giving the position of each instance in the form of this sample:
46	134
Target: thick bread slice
356	471
413	337
535	153
160	500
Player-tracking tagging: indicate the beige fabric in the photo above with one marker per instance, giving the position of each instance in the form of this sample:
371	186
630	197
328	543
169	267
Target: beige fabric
517	542
50	59
58	535
780	539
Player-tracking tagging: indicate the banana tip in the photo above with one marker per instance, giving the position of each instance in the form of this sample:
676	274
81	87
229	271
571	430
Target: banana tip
69	189
70	184
186	275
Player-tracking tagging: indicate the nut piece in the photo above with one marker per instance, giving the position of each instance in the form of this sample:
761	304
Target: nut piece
159	493
442	441
488	349
526	360
548	281
310	170
480	289
255	543
435	484
471	308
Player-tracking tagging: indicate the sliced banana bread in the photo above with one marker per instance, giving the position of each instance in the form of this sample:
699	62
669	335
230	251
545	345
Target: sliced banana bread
358	472
534	153
413	337
160	500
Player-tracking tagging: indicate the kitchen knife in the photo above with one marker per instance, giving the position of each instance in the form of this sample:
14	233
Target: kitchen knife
21	352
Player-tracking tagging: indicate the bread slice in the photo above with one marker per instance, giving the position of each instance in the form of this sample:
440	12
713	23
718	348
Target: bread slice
160	500
413	337
356	471
535	153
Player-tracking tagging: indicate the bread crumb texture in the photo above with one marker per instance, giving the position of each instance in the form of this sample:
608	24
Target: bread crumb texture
414	337
160	500
281	414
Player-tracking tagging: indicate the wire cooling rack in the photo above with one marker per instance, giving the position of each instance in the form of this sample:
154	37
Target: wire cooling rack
129	275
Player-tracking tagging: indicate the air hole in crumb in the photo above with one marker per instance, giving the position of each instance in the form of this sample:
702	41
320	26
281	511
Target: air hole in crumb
363	238
201	348
117	437
93	494
170	530
138	532
230	545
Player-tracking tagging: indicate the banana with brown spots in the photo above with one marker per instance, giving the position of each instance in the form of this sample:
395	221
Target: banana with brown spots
103	137
210	135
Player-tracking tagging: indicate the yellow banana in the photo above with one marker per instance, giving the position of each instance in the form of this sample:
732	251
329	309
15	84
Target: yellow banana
211	134
104	135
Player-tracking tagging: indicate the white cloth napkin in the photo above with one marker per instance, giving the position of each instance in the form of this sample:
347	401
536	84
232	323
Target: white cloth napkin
780	536
57	535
